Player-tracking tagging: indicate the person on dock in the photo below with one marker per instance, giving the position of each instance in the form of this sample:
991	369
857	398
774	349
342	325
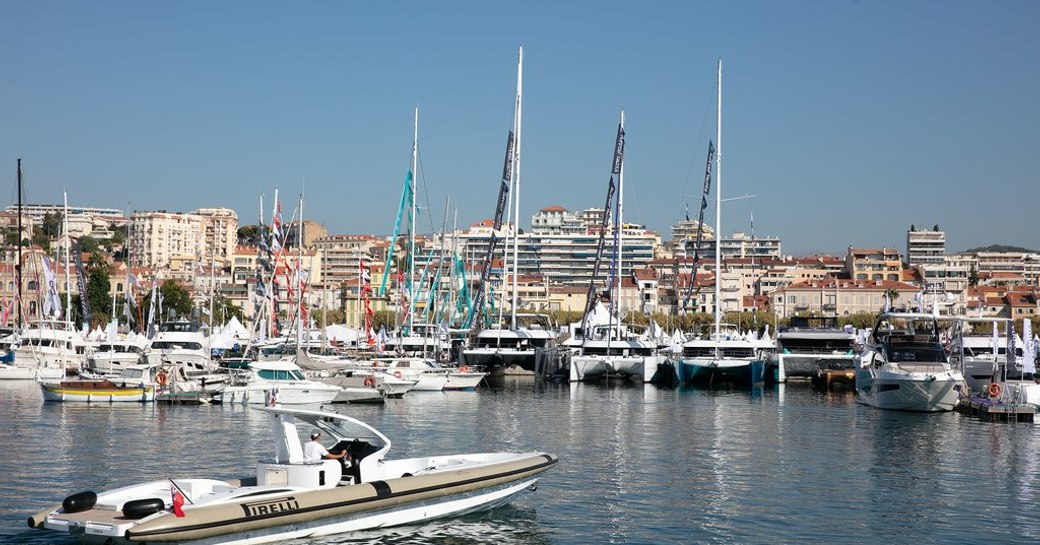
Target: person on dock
313	451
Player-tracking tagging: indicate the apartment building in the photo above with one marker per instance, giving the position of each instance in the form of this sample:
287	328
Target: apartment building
925	246
873	264
840	297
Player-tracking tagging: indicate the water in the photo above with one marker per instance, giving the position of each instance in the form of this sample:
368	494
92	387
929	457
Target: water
638	464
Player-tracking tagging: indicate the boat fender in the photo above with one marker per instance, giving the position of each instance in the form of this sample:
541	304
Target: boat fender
463	369
137	509
993	389
370	381
81	501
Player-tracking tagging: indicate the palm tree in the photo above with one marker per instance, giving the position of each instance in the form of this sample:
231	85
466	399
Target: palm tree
892	295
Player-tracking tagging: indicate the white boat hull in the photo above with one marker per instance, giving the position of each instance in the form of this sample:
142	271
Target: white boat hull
286	394
908	391
30	372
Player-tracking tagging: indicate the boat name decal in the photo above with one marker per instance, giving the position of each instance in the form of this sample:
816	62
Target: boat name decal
270	507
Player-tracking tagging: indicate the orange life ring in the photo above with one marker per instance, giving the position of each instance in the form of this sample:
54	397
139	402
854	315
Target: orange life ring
397	374
370	381
993	389
463	369
161	378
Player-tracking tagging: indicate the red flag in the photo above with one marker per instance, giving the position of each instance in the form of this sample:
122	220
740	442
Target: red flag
178	500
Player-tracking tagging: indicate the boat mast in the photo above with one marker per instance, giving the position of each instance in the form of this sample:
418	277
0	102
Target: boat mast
517	116
718	206
411	234
619	241
68	278
18	260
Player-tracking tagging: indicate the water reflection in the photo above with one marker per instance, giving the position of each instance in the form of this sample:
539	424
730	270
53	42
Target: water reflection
639	464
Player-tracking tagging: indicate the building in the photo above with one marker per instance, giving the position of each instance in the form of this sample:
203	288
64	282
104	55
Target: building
874	264
220	235
158	237
925	247
840	297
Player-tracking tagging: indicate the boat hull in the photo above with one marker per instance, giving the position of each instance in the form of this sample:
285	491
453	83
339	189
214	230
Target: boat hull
917	392
707	371
312	513
76	394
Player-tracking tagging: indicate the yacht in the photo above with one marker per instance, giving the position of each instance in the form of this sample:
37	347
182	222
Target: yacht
43	352
111	357
726	356
184	343
289	498
983	358
904	366
610	350
810	346
502	347
265	382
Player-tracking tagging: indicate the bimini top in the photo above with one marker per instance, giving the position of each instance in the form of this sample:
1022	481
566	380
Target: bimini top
336	425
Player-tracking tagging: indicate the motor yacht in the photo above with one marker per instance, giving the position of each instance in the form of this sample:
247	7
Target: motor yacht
289	497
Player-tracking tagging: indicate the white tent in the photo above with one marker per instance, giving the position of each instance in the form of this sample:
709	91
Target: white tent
342	334
235	329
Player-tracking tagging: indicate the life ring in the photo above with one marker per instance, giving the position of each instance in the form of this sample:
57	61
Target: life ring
463	369
161	378
370	381
993	389
397	374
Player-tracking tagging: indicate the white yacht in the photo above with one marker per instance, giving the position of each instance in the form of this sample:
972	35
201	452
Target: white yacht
428	376
983	358
46	353
290	498
904	366
109	358
611	351
281	380
181	342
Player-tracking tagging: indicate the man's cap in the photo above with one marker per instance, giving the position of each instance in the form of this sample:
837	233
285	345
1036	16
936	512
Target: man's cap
316	434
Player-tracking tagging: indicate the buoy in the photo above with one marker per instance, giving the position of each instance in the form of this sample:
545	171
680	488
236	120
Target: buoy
397	374
137	509
370	381
161	378
994	390
80	501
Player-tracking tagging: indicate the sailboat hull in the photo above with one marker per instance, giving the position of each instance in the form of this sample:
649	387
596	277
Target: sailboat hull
738	371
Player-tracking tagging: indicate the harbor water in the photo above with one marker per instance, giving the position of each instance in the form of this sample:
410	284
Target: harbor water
639	464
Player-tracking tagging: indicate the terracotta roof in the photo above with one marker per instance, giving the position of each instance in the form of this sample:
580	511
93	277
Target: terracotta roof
837	283
553	208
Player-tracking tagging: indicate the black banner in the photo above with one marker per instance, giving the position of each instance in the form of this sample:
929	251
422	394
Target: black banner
81	285
700	230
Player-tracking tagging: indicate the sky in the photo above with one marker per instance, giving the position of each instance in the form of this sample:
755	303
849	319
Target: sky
847	121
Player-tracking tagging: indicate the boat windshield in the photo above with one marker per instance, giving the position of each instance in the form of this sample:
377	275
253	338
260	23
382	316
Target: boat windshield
281	374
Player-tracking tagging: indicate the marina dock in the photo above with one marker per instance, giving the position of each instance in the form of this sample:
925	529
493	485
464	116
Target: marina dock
994	411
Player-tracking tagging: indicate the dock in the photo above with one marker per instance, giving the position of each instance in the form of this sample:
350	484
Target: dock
993	410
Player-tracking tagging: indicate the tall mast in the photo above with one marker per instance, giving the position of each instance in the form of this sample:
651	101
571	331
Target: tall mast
299	278
621	232
18	259
517	117
718	207
411	242
68	278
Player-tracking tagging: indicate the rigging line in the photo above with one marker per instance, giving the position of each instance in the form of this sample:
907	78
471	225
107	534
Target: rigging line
426	190
708	108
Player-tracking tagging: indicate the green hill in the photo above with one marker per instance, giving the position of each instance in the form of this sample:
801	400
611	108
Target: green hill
999	248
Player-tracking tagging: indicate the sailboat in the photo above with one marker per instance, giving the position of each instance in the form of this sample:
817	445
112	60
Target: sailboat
42	352
499	347
721	355
606	348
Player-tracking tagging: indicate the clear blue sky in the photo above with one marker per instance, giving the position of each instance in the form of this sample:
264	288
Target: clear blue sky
849	120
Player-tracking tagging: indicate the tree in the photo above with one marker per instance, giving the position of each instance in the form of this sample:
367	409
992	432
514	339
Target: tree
97	294
88	244
249	235
175	297
973	276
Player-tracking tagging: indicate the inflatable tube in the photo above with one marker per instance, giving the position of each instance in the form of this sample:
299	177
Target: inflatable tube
81	501
994	389
138	509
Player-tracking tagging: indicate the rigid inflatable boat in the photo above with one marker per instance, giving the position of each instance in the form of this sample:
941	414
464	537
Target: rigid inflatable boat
292	498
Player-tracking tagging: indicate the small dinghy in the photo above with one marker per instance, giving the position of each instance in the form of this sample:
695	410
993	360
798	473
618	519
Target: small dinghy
291	497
